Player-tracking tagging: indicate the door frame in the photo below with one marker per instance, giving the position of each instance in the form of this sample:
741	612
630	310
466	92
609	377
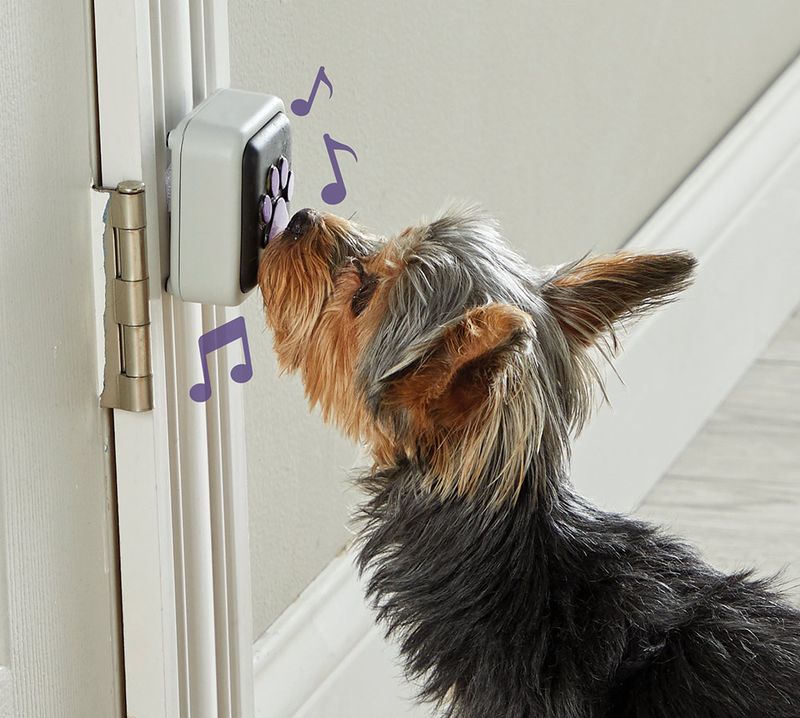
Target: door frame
180	468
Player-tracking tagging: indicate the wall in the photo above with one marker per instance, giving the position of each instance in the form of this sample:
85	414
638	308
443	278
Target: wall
570	121
57	614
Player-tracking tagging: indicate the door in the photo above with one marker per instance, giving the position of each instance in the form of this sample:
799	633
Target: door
58	616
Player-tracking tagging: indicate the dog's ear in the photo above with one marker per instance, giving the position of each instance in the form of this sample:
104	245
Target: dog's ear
590	297
446	377
465	410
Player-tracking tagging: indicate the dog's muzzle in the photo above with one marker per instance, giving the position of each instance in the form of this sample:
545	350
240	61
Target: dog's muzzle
302	221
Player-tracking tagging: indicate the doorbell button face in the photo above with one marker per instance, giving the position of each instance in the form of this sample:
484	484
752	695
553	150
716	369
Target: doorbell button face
274	204
223	153
261	181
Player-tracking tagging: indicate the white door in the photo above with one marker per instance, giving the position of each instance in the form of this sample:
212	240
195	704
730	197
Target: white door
58	571
124	574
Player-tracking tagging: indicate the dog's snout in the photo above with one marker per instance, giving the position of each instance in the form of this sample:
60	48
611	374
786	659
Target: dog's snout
301	222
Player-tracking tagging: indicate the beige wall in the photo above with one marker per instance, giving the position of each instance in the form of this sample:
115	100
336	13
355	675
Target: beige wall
51	450
570	121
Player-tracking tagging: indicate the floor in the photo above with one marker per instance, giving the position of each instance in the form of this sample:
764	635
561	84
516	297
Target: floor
735	490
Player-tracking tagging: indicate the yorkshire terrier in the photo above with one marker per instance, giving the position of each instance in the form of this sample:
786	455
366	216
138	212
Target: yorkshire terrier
466	372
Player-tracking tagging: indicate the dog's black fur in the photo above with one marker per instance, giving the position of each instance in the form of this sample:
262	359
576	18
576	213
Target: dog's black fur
552	608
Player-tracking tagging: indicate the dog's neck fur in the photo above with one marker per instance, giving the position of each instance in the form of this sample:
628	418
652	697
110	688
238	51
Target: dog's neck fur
544	608
471	592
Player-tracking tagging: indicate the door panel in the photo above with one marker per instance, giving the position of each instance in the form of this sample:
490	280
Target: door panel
59	648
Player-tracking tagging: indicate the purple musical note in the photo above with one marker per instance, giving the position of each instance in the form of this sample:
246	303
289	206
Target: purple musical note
335	192
302	107
213	340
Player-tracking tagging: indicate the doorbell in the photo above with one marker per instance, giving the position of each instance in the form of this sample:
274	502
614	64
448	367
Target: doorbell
230	187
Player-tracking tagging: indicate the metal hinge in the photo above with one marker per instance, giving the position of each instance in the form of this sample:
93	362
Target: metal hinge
128	378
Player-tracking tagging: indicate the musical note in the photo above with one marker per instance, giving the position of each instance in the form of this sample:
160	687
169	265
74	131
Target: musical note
213	340
302	107
335	192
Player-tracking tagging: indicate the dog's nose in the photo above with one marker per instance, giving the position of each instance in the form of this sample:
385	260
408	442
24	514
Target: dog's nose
301	222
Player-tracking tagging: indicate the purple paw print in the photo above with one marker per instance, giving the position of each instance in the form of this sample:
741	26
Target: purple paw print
273	211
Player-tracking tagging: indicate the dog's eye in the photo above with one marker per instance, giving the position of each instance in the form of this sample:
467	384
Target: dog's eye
369	283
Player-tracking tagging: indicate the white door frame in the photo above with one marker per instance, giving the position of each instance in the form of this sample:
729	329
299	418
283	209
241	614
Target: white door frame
180	469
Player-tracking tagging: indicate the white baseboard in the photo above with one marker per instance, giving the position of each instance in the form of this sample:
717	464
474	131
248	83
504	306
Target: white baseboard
325	658
739	212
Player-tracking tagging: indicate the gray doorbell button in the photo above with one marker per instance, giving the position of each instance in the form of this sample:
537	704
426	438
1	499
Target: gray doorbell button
221	155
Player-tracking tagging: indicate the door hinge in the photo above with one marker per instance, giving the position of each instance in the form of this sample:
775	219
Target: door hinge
128	378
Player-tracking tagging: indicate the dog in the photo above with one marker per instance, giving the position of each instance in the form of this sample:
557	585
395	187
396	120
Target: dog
466	372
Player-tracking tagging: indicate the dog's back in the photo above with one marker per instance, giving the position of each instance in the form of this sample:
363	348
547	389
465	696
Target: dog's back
561	610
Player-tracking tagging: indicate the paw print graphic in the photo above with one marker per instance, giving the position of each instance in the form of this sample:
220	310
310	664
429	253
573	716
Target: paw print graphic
273	210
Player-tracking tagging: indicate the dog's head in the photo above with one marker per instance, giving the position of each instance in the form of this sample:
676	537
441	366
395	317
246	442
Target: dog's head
441	346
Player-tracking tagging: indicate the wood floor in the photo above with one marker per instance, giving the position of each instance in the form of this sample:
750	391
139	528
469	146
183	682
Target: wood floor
735	490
